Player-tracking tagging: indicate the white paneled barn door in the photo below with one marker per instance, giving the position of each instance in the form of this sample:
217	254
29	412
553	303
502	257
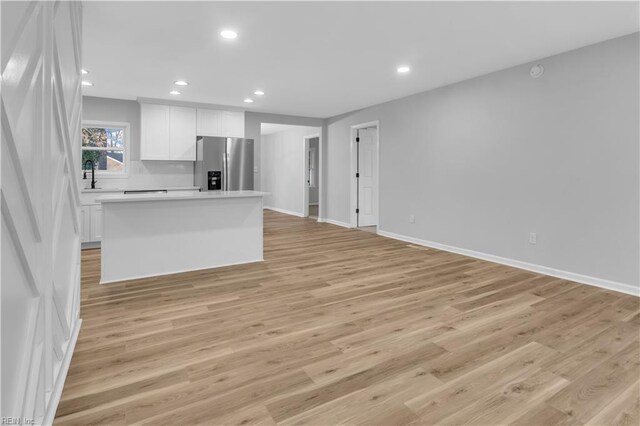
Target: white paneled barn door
40	158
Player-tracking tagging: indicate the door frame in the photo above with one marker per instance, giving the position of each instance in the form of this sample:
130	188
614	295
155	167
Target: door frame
305	187
354	184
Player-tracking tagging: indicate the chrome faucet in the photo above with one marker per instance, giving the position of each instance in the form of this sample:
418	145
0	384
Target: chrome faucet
93	171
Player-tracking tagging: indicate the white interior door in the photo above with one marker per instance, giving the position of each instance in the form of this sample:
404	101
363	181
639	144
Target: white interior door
367	170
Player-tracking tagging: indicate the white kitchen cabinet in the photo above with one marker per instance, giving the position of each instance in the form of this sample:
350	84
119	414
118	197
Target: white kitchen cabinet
167	133
183	134
96	222
85	224
233	124
211	122
155	132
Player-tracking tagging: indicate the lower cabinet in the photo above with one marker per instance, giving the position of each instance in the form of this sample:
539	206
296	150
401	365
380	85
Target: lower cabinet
85	224
91	223
96	222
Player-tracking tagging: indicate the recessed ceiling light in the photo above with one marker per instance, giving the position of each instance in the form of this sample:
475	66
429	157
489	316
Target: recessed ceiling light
403	69
229	34
174	92
180	83
84	72
87	83
248	100
258	93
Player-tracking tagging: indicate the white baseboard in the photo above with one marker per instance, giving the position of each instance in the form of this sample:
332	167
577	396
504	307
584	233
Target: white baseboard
58	386
335	222
313	204
292	213
571	276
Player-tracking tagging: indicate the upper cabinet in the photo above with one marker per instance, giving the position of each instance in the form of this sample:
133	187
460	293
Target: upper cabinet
209	122
155	132
183	134
169	132
212	122
233	124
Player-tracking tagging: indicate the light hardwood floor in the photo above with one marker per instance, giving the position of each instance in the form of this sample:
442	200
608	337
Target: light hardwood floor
339	326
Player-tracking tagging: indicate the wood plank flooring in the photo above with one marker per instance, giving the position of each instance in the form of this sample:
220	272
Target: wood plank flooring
340	326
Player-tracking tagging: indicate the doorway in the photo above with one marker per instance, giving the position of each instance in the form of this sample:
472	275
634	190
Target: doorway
291	181
365	165
313	175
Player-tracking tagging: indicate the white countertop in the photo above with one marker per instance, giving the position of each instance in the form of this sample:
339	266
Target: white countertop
207	195
106	190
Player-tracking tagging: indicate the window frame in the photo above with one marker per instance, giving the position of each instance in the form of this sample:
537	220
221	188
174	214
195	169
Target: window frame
127	141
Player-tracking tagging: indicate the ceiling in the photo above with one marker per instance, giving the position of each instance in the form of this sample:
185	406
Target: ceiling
321	59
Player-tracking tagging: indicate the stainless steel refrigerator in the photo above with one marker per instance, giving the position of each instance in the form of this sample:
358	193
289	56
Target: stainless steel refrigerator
224	164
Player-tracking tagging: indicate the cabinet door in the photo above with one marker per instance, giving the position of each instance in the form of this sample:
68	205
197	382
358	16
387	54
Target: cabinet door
183	134
96	222
209	122
85	224
233	124
155	137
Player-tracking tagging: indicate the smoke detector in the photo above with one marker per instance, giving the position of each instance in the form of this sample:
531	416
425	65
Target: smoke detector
536	71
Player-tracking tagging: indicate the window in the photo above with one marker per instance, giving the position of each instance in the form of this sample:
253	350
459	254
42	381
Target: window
105	144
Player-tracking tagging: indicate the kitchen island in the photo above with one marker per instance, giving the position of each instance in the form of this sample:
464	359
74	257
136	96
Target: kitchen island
147	235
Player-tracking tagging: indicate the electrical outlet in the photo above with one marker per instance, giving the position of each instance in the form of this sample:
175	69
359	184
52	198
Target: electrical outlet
533	238
412	218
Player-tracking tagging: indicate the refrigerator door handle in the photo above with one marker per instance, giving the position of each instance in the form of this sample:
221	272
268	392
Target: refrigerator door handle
227	148
226	162
224	167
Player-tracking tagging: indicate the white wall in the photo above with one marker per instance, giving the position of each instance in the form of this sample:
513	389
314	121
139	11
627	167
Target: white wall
484	162
252	130
284	169
40	204
142	174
